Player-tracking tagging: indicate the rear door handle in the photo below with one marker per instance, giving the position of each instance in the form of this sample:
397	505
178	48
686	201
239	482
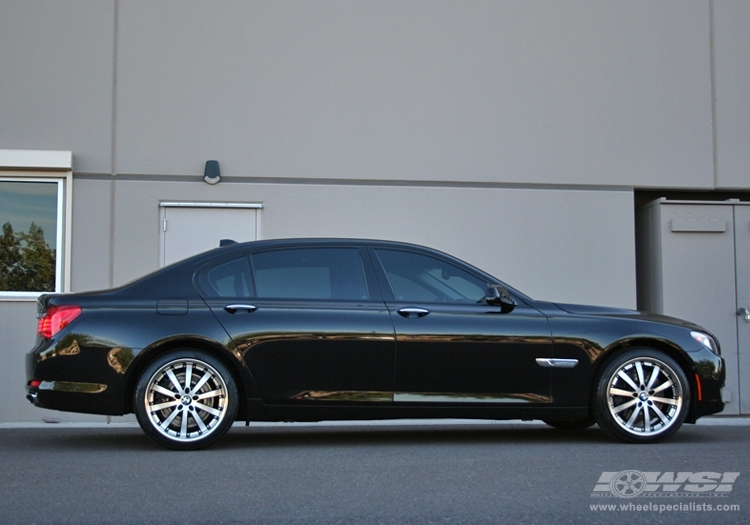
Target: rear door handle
240	308
412	312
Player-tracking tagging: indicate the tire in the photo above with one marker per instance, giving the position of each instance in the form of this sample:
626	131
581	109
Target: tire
641	396
570	425
185	400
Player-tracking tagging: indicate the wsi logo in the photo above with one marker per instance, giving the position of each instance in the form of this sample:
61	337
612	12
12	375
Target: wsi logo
633	483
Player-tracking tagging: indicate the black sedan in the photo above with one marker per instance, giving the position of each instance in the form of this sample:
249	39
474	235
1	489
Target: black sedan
331	329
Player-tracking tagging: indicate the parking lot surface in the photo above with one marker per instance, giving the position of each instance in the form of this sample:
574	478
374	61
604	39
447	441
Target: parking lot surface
390	473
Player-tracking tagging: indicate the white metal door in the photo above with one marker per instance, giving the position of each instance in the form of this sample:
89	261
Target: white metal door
698	278
742	269
188	229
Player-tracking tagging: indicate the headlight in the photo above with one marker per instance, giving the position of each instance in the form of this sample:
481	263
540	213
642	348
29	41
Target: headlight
707	341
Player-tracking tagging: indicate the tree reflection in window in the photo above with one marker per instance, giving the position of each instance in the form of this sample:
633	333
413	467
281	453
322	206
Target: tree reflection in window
28	244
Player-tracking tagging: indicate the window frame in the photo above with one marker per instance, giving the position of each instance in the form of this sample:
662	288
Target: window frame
45	166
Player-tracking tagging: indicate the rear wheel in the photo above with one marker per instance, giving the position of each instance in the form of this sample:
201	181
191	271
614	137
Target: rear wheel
642	396
186	400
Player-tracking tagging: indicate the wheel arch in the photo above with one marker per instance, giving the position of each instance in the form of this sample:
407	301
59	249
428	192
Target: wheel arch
660	345
151	353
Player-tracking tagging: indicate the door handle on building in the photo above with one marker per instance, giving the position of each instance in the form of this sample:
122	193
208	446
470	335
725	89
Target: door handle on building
745	313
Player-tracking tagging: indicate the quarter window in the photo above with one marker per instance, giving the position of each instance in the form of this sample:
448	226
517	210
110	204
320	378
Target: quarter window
419	278
227	279
310	273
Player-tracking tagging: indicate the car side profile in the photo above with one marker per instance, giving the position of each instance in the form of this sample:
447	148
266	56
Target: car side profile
351	329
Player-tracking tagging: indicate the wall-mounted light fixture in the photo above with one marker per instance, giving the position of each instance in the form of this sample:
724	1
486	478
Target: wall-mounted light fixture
211	174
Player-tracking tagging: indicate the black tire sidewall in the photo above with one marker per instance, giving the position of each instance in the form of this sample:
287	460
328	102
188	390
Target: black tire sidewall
141	411
600	404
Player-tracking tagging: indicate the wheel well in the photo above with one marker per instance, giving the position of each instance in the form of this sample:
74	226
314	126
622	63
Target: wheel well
659	346
152	353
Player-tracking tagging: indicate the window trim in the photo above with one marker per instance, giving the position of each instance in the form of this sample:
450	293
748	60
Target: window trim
45	166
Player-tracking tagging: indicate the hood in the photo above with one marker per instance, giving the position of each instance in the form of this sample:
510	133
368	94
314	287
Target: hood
605	311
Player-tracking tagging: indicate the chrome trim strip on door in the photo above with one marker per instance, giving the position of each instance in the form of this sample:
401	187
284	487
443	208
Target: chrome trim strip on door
552	362
429	397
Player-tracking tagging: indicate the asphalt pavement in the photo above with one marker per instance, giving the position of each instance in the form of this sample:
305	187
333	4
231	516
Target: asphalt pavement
384	473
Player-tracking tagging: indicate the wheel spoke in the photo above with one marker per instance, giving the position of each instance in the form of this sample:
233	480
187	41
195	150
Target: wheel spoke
206	408
174	380
633	417
162	406
184	423
201	425
646	418
208	375
666	384
654	375
168	421
620	392
188	375
624	406
665	400
662	416
206	395
162	390
625	377
639	369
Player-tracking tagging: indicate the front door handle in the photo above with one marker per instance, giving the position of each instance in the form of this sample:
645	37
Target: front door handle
412	312
240	308
745	313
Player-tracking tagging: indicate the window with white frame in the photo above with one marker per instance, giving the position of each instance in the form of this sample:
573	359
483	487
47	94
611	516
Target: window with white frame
33	220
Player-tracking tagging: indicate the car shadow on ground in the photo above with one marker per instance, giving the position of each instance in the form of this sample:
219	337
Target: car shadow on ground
295	436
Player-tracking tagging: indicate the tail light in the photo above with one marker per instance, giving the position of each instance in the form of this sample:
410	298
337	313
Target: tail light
57	318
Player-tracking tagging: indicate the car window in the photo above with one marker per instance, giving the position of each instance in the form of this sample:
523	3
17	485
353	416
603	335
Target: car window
420	278
227	279
310	273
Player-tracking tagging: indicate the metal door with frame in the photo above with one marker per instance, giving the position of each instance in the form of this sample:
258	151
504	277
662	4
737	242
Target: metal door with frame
189	228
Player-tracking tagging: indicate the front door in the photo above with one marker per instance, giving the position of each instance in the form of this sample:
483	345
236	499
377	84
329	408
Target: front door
451	346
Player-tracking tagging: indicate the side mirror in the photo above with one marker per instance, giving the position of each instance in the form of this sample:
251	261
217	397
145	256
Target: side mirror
499	296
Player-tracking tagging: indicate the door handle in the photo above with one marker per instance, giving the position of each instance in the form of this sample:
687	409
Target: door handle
745	313
240	308
412	312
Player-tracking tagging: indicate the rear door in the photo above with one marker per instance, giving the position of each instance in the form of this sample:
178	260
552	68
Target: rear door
309	322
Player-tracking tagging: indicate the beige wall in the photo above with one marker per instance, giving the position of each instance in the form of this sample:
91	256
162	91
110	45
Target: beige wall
571	92
511	134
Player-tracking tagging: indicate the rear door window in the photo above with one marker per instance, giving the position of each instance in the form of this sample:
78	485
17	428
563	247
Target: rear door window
323	273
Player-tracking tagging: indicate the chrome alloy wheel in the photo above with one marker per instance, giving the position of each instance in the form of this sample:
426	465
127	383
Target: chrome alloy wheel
645	396
186	400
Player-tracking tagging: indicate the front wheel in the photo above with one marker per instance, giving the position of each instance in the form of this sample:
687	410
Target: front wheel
185	400
641	396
